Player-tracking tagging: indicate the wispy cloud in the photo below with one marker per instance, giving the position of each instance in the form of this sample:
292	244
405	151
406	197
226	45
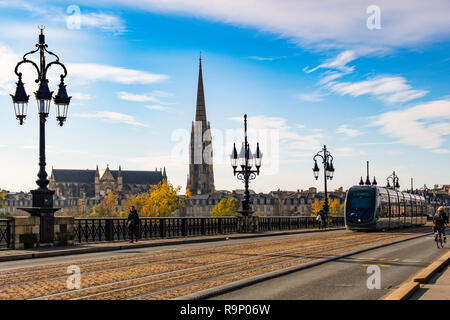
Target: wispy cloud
82	96
161	94
91	72
104	22
136	97
339	63
344	129
114	117
323	24
424	125
157	107
286	133
311	97
441	151
390	89
258	58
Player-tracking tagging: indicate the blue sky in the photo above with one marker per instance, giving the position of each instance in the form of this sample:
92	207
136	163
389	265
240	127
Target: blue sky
307	74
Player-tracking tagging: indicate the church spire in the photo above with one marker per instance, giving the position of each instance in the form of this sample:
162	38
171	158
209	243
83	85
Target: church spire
200	113
200	179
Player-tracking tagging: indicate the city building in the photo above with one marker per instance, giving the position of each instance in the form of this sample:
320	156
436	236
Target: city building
70	183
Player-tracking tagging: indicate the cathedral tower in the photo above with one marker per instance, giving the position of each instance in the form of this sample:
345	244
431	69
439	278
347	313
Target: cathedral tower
201	175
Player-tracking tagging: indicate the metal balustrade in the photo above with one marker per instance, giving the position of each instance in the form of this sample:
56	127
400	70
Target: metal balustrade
115	229
5	233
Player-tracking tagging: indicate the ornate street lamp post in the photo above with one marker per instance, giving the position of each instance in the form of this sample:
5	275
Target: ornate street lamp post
394	179
245	160
368	183
42	197
327	161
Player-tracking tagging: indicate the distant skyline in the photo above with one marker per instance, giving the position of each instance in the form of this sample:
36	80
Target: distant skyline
306	73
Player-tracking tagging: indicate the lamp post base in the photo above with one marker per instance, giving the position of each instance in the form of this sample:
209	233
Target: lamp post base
42	198
47	223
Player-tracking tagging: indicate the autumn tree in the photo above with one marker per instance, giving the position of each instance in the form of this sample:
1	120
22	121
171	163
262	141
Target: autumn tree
162	200
226	207
2	199
107	207
136	201
316	206
2	205
334	206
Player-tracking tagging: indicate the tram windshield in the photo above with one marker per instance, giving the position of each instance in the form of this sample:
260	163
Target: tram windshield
360	204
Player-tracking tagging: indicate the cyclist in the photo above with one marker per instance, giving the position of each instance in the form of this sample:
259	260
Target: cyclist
439	221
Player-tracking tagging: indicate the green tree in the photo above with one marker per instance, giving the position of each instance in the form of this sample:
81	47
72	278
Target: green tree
226	207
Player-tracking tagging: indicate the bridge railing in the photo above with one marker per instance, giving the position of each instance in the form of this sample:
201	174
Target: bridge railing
5	233
291	223
115	229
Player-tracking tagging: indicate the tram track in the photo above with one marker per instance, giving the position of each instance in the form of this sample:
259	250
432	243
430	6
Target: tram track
139	259
137	271
233	262
165	276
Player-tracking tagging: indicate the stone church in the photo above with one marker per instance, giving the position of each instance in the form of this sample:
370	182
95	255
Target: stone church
200	179
69	183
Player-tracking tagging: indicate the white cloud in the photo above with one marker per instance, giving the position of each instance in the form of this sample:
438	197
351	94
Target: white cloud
326	23
115	117
258	58
157	107
160	93
77	73
344	129
343	152
390	89
8	60
424	125
99	20
81	96
91	72
135	97
339	63
311	97
286	134
102	21
329	76
441	151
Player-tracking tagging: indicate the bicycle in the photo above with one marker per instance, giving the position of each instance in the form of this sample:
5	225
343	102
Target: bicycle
438	237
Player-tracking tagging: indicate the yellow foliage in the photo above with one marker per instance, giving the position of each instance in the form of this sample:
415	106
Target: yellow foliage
160	201
334	207
106	208
316	205
2	199
226	207
188	193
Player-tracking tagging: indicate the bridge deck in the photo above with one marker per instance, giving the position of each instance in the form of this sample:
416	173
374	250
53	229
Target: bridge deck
170	272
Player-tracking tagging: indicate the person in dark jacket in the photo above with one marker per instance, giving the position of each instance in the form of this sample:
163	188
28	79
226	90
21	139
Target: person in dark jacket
133	224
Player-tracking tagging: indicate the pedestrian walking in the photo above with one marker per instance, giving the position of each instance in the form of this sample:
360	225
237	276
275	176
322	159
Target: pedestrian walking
319	219
133	224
